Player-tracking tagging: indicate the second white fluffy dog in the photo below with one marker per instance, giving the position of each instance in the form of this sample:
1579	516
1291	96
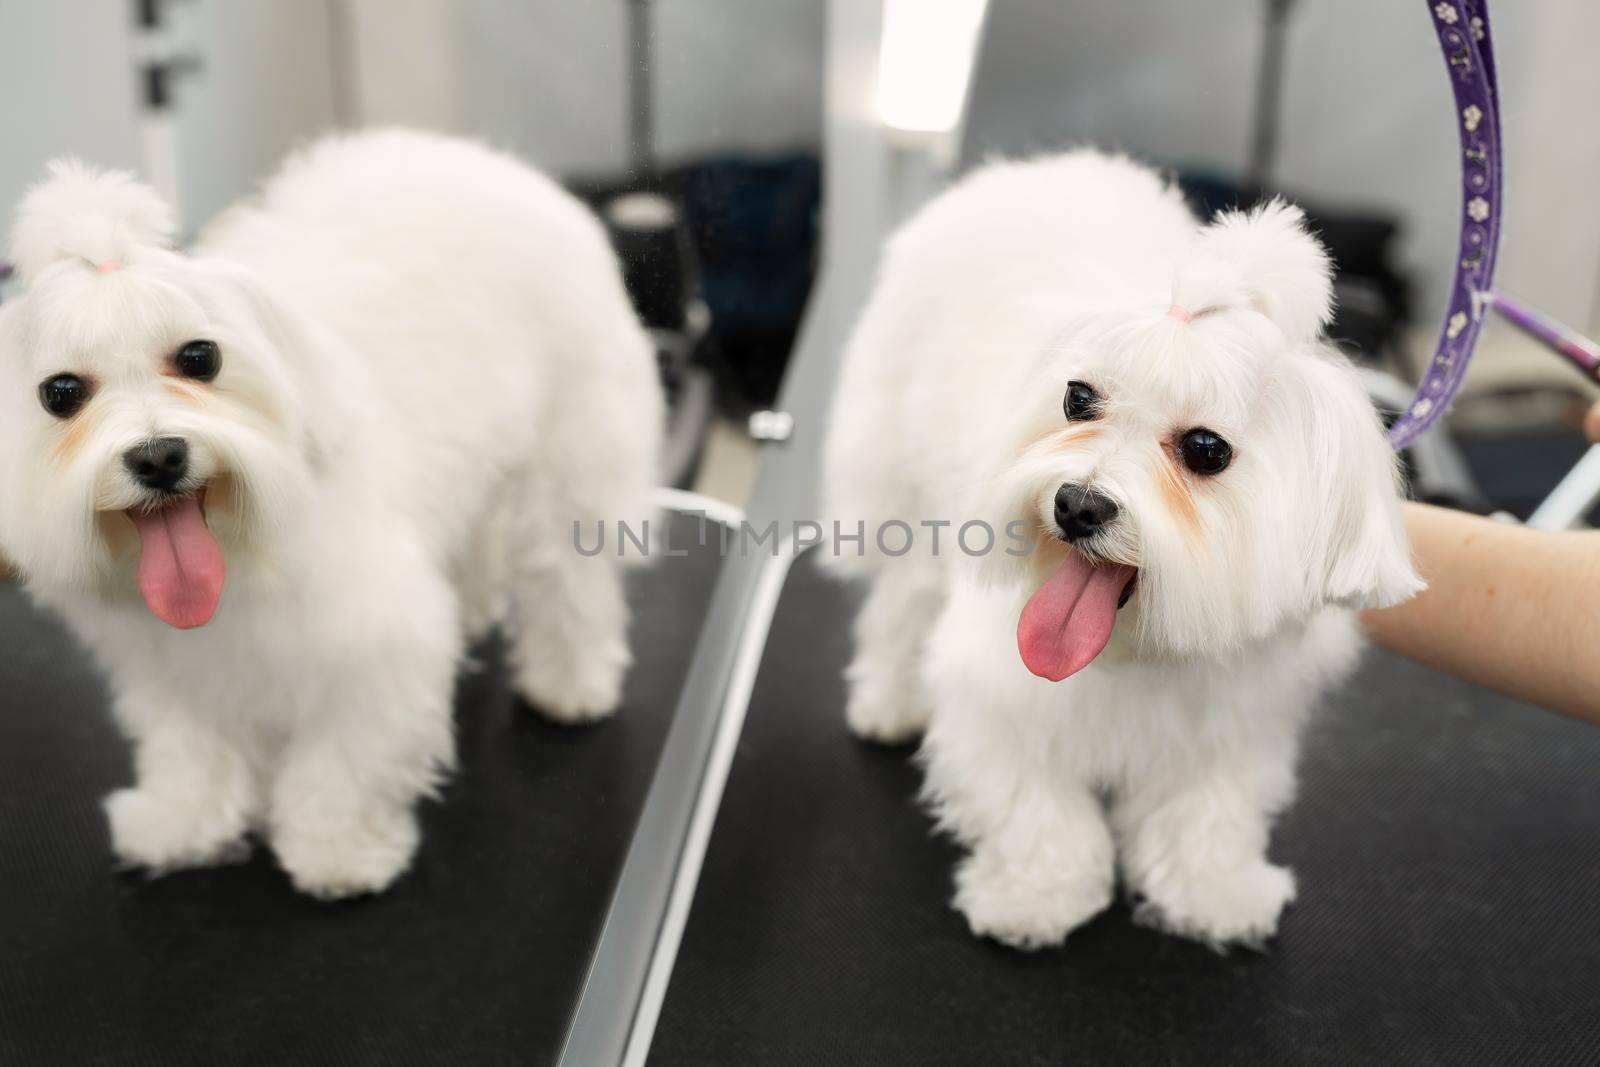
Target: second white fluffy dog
276	483
1204	493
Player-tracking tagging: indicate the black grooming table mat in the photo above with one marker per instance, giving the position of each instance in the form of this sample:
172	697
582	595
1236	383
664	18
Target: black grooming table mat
475	957
1445	839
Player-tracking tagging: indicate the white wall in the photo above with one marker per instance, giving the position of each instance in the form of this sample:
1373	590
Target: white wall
743	75
50	106
1367	115
266	85
546	79
401	60
69	84
549	78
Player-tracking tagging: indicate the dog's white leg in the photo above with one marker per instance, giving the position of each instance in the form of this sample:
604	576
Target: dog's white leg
482	582
342	816
1042	857
887	700
342	819
196	793
569	641
1044	874
570	648
1193	843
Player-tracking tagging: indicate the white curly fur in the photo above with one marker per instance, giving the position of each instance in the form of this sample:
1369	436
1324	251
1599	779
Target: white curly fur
430	369
1262	257
1166	758
83	215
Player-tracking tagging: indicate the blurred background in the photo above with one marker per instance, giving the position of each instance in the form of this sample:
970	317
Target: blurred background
716	108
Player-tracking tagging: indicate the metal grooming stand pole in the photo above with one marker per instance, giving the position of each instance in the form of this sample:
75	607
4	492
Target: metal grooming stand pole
1269	93
641	90
1572	499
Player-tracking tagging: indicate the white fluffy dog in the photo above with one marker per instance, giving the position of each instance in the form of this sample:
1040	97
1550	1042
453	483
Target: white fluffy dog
375	398
1188	493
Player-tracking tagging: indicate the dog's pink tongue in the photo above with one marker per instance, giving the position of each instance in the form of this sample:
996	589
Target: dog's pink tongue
1068	619
180	564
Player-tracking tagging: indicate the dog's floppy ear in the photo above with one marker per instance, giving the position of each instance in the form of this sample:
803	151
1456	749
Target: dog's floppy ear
1361	556
95	217
1274	263
305	367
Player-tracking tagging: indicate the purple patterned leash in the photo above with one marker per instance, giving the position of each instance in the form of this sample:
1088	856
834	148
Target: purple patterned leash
1463	29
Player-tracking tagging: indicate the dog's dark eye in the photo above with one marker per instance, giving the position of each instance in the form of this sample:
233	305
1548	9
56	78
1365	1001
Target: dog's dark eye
1082	402
199	360
64	395
1206	453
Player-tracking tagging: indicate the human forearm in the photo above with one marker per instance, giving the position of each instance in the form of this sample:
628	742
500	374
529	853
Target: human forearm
1510	608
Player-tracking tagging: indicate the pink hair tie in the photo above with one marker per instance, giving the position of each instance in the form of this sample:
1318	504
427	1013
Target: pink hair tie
1181	313
108	265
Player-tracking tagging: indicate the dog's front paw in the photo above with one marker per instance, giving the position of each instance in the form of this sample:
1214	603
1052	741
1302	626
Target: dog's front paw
580	689
1027	906
347	859
163	834
886	717
1238	907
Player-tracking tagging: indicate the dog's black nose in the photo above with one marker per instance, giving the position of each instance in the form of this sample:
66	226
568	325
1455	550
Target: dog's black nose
158	464
1081	511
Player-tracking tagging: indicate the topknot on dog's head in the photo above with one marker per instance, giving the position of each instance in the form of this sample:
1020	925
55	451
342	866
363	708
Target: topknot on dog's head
79	213
1264	258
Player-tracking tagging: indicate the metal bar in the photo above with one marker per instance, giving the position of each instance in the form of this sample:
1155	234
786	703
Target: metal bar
1269	93
613	990
742	679
1572	499
641	89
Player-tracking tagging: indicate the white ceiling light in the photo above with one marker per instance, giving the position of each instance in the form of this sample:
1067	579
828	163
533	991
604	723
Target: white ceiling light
928	51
